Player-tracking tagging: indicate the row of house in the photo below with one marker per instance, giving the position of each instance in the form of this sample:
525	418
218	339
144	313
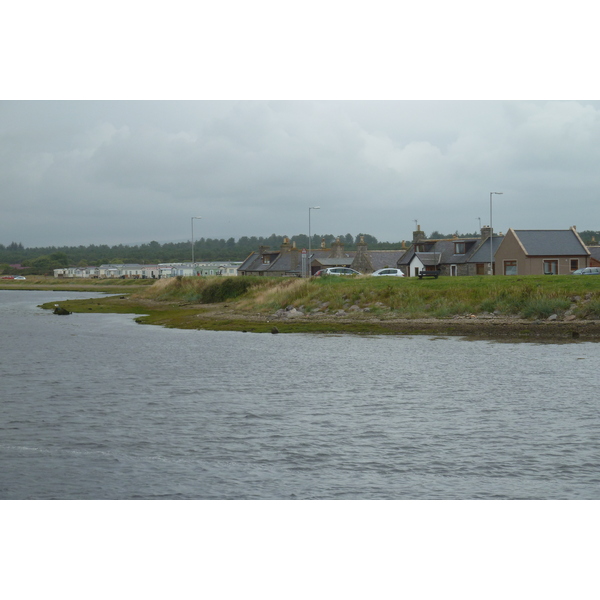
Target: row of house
519	252
289	261
159	271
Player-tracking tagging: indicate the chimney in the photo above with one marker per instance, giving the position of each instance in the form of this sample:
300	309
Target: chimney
263	249
286	246
485	232
337	249
294	257
362	260
418	235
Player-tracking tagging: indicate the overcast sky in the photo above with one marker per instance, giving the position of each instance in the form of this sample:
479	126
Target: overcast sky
95	172
77	167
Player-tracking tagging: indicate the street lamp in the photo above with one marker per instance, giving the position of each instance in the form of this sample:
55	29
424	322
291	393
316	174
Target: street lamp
193	237
492	235
308	273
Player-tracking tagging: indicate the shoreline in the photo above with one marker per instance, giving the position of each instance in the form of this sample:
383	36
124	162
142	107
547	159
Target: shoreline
480	327
227	317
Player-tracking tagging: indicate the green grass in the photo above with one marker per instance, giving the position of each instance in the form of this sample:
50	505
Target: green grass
530	297
248	306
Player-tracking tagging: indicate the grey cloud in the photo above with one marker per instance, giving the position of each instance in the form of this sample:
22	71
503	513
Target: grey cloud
117	172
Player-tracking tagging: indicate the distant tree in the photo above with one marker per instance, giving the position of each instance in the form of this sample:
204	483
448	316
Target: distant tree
369	239
60	258
590	238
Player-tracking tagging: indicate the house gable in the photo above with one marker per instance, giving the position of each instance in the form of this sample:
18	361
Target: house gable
543	251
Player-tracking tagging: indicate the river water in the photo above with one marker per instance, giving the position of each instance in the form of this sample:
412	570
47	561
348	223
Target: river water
95	406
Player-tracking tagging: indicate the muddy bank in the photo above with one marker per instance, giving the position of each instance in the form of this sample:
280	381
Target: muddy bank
227	317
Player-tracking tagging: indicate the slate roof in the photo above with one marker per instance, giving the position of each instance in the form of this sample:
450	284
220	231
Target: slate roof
594	252
443	252
550	242
254	263
482	254
385	258
333	262
281	262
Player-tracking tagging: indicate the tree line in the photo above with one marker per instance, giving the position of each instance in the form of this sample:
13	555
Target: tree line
42	261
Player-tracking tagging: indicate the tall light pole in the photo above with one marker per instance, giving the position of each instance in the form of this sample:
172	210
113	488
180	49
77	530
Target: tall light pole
492	235
193	237
308	273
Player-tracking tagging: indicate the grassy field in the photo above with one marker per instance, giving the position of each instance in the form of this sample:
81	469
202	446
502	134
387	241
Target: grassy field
528	297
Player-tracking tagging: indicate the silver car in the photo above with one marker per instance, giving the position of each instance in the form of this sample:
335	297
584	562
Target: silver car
388	273
337	271
587	271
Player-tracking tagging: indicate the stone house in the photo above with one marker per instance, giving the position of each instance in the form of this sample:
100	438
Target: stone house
452	257
289	261
541	252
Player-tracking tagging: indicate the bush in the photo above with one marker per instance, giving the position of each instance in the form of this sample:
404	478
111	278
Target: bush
225	289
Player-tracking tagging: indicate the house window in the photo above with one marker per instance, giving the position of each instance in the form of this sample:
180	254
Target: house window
422	247
574	264
550	267
480	269
459	247
510	267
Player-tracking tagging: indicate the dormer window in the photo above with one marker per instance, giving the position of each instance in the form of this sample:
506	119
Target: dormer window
266	259
460	247
424	247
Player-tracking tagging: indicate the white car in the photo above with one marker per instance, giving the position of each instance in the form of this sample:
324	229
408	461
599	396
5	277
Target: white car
337	271
388	273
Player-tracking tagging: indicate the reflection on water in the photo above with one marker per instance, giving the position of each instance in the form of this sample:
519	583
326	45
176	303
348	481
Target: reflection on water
96	406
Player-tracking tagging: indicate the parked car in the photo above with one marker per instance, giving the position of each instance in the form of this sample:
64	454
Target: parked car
388	273
587	271
7	277
21	278
336	271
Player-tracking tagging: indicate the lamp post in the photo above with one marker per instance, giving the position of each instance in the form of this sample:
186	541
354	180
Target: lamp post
308	273
193	238
492	235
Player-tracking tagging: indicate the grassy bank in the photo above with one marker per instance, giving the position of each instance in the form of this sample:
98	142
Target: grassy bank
477	306
410	298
